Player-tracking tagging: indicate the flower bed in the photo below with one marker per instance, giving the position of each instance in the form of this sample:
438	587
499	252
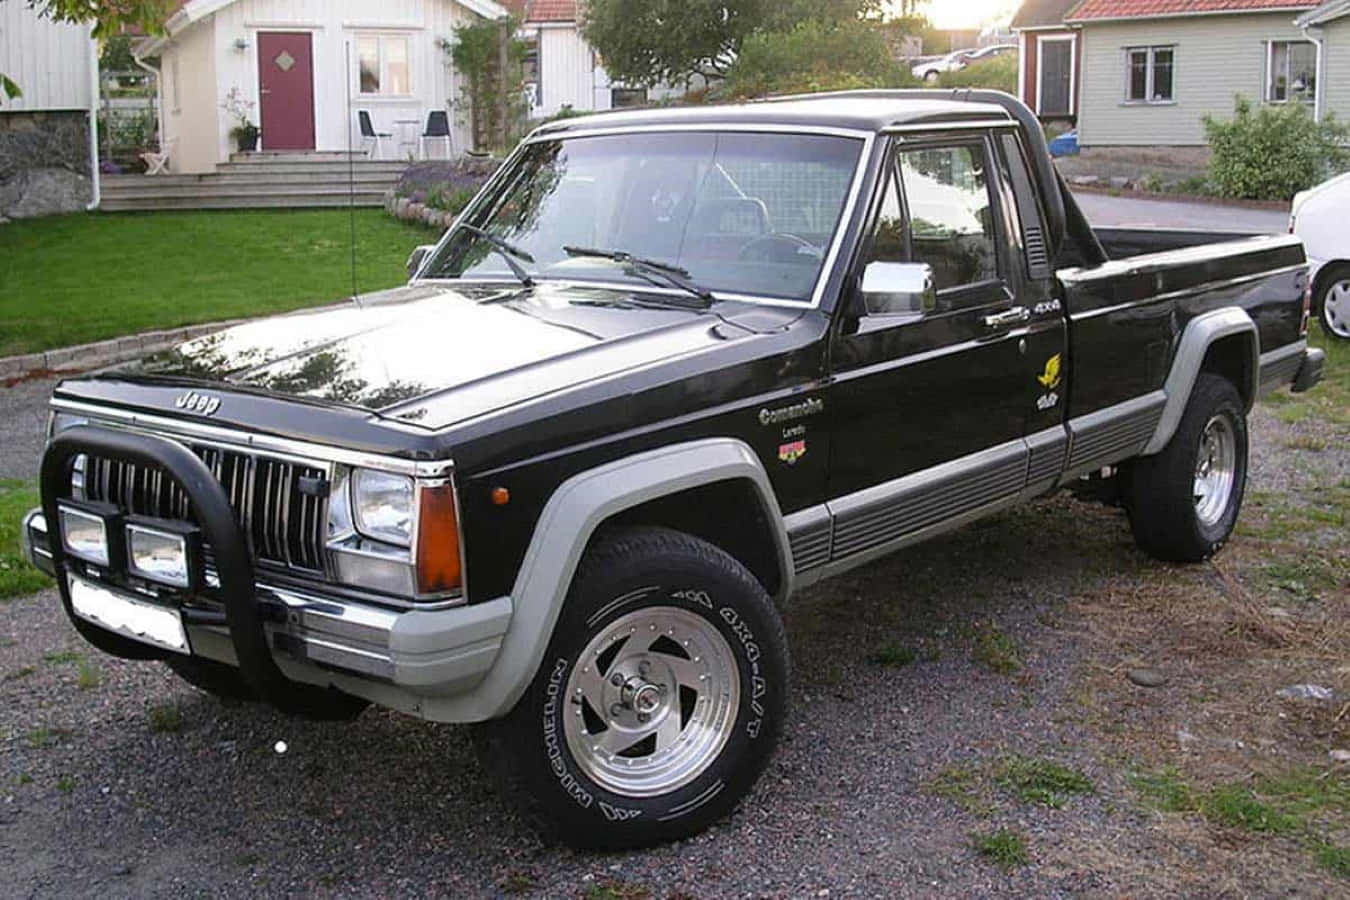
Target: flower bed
433	193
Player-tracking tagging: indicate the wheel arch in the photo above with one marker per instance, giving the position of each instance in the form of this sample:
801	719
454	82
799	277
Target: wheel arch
1223	341
632	489
1325	273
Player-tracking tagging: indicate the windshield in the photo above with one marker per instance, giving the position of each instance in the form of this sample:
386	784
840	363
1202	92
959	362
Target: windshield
741	213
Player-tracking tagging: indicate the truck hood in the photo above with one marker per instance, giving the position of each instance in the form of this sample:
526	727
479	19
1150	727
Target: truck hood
475	349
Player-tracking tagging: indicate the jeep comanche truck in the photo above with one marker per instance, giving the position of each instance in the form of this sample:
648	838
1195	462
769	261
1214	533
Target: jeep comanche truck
667	368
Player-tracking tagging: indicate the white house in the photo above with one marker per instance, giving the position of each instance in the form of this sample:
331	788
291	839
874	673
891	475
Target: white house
563	69
304	70
48	134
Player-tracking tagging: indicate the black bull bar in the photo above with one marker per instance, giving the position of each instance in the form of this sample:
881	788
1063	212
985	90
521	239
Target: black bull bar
244	616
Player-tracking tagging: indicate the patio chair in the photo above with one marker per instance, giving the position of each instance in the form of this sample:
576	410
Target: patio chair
438	128
158	163
368	133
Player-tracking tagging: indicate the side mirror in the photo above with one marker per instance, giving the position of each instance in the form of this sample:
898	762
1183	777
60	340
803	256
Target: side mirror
419	256
890	288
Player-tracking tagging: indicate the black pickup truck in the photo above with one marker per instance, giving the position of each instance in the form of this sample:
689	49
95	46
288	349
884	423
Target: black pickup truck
669	367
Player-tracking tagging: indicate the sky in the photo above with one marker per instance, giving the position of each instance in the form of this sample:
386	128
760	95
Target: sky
970	13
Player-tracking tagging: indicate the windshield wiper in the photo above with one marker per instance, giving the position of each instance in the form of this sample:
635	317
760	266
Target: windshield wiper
650	270
508	251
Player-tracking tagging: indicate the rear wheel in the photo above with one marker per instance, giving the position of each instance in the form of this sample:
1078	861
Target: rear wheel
1184	501
659	700
1333	302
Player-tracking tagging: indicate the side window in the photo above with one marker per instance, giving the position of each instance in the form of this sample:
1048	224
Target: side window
951	213
888	236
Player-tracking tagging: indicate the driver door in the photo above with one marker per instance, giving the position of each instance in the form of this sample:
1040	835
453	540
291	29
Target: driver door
928	401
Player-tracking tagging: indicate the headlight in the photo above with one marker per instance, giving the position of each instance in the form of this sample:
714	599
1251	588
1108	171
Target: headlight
164	553
89	532
383	505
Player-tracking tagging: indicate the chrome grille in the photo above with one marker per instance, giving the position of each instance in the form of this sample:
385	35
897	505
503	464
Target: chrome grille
284	524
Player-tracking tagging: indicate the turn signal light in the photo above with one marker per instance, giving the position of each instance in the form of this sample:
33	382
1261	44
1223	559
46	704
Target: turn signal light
439	568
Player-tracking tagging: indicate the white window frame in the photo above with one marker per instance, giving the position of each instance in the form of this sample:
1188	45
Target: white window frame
1309	99
380	37
1073	69
1149	99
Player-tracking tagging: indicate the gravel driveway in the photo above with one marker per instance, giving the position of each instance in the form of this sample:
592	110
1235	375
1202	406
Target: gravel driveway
117	780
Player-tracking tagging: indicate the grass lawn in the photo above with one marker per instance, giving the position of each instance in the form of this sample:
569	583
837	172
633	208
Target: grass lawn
16	576
72	279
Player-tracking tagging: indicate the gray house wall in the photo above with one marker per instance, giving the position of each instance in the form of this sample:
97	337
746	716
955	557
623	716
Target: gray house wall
1217	57
1336	75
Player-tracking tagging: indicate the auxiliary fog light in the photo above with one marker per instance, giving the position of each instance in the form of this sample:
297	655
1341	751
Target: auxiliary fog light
85	532
164	553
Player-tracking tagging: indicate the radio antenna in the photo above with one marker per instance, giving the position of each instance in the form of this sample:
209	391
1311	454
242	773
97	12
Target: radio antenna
351	175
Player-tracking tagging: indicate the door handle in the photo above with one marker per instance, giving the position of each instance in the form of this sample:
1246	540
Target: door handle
1015	316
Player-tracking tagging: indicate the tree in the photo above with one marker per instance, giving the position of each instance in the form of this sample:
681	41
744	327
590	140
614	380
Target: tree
109	18
647	42
815	56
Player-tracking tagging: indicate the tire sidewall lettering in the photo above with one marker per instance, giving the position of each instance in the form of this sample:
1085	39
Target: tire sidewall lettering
561	767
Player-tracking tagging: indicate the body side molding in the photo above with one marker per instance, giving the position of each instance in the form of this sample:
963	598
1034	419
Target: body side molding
564	528
1200	333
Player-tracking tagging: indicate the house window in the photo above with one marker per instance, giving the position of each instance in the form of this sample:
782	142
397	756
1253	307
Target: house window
1148	74
627	98
383	61
1293	72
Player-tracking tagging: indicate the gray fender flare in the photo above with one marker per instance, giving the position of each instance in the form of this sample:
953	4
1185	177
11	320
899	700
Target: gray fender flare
1196	339
566	525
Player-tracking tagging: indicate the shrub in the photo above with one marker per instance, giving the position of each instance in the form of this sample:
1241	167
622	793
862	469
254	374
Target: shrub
815	56
997	74
1273	152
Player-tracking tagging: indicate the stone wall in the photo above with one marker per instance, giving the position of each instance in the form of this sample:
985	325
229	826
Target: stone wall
44	163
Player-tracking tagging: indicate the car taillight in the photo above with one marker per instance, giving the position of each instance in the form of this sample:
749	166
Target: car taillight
439	567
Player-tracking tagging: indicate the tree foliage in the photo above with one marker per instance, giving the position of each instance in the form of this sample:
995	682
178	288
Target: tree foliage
1273	152
647	42
492	62
109	16
997	74
815	56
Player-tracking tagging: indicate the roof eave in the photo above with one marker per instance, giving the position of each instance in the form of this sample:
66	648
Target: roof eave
1327	12
1098	20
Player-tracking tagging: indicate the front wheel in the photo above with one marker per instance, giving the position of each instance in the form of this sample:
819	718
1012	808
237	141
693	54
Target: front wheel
658	703
1333	302
1184	501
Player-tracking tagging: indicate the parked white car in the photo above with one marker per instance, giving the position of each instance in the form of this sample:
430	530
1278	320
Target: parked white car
931	69
1318	217
989	52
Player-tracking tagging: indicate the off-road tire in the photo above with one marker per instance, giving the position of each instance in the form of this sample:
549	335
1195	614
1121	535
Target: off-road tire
624	576
1161	489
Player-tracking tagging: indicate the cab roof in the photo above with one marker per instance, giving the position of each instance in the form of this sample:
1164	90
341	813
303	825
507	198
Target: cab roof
867	111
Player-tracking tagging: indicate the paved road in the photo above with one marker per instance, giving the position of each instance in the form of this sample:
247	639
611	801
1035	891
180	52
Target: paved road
1104	210
23	427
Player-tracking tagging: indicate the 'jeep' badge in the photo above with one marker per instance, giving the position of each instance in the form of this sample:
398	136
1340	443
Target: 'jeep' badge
202	404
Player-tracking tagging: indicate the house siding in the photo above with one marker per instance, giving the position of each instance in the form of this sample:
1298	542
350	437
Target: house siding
1336	76
568	74
1217	57
211	60
50	61
191	103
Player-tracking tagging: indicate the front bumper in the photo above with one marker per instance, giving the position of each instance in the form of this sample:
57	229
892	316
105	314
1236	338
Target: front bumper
425	652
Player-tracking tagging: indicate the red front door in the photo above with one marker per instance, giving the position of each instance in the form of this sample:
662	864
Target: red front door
286	78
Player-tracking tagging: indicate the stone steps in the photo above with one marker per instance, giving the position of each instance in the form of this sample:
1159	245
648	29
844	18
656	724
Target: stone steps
259	181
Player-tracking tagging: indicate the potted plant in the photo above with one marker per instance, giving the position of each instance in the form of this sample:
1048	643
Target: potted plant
244	132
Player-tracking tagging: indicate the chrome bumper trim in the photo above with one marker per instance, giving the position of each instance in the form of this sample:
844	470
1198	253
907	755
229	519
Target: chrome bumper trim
33	541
